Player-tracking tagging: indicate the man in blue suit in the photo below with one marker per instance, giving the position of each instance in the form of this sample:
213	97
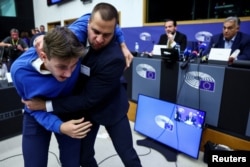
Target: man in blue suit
100	93
232	38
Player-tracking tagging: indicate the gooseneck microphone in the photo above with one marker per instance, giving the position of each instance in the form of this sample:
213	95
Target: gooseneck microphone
186	53
202	47
192	55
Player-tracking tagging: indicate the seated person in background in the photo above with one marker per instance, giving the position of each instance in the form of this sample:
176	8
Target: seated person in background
15	46
42	29
25	37
232	38
171	37
36	34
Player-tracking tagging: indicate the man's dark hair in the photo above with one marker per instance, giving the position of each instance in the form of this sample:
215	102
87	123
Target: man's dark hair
62	43
107	11
14	30
174	21
234	19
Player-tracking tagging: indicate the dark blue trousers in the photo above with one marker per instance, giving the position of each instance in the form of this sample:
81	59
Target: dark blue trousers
121	136
36	141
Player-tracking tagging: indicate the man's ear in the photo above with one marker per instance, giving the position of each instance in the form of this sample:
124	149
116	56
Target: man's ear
42	56
238	28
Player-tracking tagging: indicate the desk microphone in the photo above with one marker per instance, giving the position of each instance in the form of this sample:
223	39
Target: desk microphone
190	57
186	53
202	47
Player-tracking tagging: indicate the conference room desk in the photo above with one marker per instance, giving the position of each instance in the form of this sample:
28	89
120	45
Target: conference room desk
10	113
222	91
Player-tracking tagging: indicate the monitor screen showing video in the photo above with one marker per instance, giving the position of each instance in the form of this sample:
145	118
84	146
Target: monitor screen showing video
173	125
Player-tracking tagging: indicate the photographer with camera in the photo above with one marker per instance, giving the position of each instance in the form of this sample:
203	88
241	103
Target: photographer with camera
13	47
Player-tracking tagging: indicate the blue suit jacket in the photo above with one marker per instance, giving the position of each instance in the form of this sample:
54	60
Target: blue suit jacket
242	42
100	92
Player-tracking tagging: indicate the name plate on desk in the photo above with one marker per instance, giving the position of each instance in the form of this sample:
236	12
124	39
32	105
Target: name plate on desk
219	55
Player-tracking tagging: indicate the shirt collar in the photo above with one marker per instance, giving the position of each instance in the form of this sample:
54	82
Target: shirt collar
230	39
37	64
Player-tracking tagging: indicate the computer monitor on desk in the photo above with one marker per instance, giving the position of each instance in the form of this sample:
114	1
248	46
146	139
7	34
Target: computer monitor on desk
157	49
170	124
169	55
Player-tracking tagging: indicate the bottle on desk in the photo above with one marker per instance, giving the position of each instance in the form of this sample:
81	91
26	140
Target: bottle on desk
137	47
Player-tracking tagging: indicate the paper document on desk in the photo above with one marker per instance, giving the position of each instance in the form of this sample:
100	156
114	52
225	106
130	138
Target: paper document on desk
157	49
8	76
220	54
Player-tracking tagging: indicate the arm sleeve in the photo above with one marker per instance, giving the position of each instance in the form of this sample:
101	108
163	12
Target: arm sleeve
183	42
47	120
245	51
119	34
7	40
80	28
160	42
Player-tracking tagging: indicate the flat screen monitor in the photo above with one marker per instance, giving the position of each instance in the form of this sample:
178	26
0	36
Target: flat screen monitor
53	2
173	125
170	55
157	49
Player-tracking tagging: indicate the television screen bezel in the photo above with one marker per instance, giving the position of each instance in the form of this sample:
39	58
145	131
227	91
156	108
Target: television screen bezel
170	55
173	117
50	3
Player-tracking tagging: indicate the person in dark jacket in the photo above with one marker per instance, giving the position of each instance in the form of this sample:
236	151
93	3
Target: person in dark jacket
100	93
171	37
232	38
